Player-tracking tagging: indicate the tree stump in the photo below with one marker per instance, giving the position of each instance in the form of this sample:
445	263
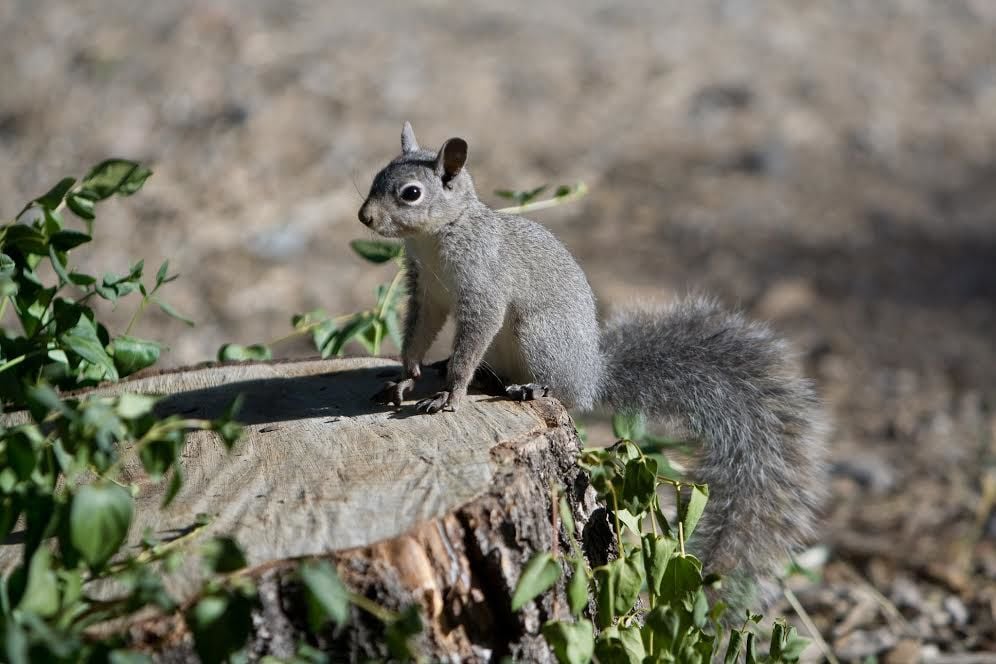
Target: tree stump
441	511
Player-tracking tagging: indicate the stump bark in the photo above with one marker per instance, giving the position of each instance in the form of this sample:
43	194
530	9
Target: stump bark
440	511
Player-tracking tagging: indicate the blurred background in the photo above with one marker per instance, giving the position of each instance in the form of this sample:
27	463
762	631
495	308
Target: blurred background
830	167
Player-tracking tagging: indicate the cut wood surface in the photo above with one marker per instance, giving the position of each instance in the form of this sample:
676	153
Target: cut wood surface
439	510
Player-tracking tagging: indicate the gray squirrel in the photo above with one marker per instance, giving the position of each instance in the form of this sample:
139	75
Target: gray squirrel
523	308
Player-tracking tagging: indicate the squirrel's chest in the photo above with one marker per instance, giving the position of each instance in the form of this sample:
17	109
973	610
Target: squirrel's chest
436	278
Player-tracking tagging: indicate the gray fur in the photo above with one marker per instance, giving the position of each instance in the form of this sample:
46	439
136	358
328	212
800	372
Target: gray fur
523	306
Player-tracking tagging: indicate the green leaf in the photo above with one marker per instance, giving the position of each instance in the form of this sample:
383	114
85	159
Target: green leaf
572	642
67	240
377	251
606	579
21	451
10	506
174	486
58	265
132	354
639	485
538	576
221	624
629	580
794	647
628	425
751	656
700	609
98	522
41	593
662	521
577	588
222	555
565	516
398	633
82	204
83	341
657	552
354	326
54	196
131	406
734	647
785	645
326	596
239	353
8	270
27	239
15	643
690	511
622	645
308	318
629	520
115	176
42	400
520	197
683	575
159	454
161	275
171	312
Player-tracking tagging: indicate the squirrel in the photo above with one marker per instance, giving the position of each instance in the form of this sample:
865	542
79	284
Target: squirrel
523	309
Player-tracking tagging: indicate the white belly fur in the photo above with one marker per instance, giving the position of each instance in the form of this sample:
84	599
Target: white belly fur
505	355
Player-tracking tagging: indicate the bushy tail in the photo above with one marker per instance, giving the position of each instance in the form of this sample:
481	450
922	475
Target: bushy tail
735	387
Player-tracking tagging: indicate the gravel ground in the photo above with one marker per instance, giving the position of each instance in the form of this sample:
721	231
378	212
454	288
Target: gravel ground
830	167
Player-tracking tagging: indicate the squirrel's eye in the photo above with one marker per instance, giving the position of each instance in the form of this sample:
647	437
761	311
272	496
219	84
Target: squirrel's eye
411	193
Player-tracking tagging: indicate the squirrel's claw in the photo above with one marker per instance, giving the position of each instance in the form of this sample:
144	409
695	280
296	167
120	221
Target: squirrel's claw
437	402
527	392
393	393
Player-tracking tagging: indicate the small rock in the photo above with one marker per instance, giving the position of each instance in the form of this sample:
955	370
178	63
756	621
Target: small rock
869	471
906	651
860	615
905	593
956	609
864	643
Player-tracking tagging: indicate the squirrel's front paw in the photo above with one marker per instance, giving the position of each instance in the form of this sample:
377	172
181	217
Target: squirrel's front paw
437	402
394	392
527	392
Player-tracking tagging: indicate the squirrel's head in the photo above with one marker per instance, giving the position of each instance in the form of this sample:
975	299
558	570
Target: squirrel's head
420	191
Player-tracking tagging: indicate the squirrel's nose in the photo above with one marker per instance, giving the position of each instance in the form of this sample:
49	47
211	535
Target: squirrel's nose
365	217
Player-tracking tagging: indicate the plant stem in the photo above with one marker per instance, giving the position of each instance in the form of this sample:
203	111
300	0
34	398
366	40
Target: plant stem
615	513
390	291
158	551
307	328
579	191
135	316
810	625
14	362
373	608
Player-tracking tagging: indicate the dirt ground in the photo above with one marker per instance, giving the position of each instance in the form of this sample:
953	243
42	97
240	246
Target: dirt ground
830	167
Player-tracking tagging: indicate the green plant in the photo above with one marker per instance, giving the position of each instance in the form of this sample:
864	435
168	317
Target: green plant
328	602
60	461
61	342
650	602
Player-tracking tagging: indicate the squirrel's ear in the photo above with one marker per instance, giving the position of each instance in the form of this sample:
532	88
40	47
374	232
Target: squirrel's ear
408	142
451	158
